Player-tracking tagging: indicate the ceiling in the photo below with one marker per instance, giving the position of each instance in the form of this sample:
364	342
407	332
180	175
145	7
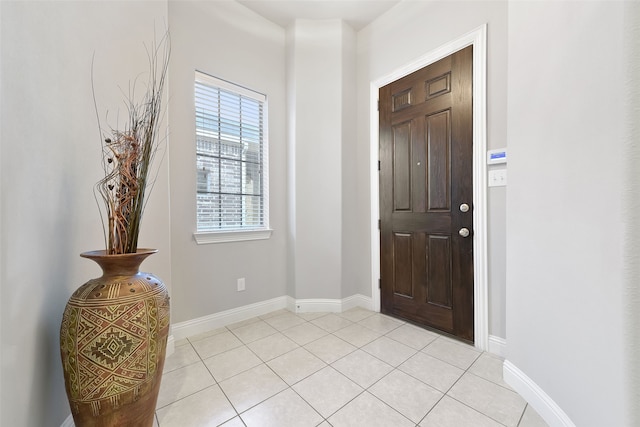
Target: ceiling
356	13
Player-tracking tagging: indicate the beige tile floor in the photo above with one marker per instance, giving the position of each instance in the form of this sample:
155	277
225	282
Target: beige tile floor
356	368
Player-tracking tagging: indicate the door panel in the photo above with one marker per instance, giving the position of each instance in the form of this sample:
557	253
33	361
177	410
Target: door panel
425	174
402	167
439	161
438	86
403	253
439	271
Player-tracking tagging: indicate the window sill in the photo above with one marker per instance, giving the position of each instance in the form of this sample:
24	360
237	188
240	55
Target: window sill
206	238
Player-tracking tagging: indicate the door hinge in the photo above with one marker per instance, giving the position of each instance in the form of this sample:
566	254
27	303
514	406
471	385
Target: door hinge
378	105
379	283
379	224
378	165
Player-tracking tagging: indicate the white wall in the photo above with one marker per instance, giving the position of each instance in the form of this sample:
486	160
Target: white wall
631	206
316	60
568	143
354	271
409	31
50	161
228	41
321	71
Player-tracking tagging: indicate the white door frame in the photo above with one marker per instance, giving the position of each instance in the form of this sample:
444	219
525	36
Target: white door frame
477	38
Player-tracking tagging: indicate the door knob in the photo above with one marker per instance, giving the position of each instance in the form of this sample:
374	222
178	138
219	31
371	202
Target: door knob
464	232
464	207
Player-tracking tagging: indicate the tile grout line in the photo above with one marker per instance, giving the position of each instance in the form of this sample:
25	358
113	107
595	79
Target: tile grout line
218	384
470	407
397	368
340	373
289	387
367	388
332	333
522	415
330	365
238	413
245	344
195	392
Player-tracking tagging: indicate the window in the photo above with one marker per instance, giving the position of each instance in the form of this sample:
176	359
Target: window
231	160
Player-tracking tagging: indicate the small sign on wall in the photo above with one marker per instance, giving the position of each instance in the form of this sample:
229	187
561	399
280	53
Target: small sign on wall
495	157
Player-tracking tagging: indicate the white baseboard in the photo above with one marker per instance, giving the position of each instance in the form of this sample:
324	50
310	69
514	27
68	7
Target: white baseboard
497	346
291	304
318	305
357	300
535	396
68	422
331	305
197	326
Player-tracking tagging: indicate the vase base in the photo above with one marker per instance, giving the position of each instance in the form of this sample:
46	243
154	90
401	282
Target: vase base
140	413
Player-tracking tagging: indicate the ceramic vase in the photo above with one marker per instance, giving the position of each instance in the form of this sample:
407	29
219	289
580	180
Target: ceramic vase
113	340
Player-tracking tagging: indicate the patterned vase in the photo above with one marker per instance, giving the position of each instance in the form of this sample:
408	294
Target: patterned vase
113	340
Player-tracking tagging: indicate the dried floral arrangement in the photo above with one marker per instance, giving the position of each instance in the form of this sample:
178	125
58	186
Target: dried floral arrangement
128	153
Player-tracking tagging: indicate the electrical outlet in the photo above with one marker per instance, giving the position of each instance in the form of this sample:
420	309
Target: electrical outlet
241	284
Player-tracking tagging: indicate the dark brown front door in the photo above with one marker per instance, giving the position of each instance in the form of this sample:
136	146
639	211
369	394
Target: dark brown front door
426	146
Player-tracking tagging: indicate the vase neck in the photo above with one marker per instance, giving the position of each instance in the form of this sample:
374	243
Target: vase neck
119	264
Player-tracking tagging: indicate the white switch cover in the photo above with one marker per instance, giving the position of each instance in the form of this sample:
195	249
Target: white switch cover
497	178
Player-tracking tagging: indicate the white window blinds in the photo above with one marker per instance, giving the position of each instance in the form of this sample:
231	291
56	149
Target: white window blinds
231	156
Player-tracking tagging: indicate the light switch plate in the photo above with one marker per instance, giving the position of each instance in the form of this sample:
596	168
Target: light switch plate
498	178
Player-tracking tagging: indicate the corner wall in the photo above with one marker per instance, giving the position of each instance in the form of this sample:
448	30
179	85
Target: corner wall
567	148
315	59
354	272
321	77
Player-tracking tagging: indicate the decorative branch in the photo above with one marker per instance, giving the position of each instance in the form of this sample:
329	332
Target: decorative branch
128	155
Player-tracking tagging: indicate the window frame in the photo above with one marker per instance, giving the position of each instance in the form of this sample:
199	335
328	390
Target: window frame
240	234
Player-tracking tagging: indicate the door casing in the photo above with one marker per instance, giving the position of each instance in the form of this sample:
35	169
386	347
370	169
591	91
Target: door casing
477	38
